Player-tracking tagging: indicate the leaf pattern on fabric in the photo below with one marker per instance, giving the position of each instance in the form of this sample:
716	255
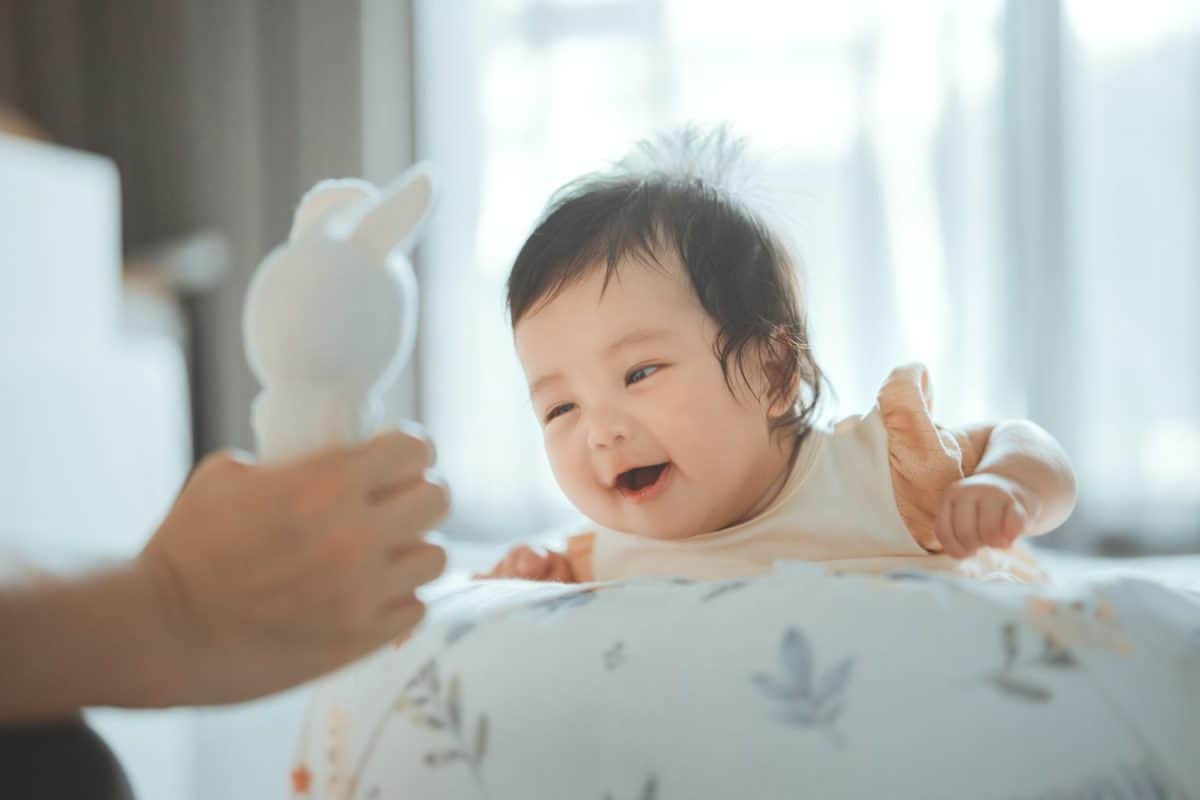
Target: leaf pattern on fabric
907	575
458	630
426	706
614	656
803	697
1021	689
575	599
649	790
1013	677
423	703
1054	655
1010	635
1140	781
796	655
724	589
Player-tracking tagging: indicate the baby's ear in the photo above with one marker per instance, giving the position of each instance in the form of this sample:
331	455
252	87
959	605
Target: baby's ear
781	370
397	217
326	196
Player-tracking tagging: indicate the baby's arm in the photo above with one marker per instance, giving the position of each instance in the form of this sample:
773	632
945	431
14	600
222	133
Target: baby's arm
1023	485
538	564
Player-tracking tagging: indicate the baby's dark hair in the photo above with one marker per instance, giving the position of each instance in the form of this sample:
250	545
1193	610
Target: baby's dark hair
678	194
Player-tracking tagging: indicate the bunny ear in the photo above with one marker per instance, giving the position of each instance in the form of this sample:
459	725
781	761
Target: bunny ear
323	198
396	218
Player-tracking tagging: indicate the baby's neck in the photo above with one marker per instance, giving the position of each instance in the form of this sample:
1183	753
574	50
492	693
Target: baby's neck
785	451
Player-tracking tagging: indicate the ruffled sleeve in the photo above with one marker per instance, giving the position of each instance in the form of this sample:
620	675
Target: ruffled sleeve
580	550
925	458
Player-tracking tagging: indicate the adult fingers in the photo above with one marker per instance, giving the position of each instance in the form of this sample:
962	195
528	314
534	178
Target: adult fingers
392	460
409	514
398	618
400	577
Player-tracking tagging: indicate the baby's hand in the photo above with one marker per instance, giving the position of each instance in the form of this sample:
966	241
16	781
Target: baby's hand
531	564
982	510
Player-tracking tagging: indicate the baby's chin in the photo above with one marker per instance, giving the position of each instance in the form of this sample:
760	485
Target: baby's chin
676	511
663	525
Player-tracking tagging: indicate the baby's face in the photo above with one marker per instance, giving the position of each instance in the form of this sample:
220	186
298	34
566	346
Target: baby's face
643	433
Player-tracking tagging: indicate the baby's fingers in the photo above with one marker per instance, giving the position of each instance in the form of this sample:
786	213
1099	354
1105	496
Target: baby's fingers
944	530
966	525
529	564
992	529
1016	520
558	569
507	568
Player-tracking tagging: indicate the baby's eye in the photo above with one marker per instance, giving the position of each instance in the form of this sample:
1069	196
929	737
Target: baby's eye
559	410
640	374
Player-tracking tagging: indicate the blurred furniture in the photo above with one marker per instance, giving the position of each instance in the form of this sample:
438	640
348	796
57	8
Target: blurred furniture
163	288
94	422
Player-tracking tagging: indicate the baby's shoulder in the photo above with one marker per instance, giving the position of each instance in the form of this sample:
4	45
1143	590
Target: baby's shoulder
899	427
904	399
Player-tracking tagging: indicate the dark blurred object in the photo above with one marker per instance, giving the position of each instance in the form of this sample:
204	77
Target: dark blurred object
164	286
59	761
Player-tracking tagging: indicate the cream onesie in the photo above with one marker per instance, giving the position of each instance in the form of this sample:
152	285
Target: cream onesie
862	496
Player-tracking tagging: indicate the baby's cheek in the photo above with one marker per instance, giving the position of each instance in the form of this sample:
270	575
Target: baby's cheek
693	435
572	474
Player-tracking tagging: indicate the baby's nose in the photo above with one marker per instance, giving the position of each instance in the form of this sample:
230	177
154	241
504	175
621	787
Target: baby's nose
606	429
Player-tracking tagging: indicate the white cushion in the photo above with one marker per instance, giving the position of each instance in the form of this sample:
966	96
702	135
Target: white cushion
796	684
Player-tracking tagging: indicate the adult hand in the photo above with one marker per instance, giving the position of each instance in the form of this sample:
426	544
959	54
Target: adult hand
268	575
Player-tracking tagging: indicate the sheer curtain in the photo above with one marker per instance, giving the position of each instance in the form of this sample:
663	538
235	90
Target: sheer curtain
1132	121
921	152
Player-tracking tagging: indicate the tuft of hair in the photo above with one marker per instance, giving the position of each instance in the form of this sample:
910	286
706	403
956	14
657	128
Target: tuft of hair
697	195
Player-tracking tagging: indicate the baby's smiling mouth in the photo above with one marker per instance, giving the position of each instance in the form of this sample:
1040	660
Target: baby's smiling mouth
642	482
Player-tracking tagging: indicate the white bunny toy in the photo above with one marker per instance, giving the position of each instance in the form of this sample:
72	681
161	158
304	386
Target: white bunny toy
331	314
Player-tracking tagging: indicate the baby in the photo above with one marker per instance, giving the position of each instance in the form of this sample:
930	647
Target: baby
658	321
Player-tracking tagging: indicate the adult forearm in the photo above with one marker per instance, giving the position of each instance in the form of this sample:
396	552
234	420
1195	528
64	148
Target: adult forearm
68	643
1030	457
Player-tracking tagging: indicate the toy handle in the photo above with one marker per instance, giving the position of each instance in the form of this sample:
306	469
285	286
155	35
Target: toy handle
292	423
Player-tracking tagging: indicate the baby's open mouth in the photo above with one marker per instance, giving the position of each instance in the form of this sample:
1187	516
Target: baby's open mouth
640	480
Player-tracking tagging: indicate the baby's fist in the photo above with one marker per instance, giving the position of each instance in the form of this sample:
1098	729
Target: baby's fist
527	563
982	510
